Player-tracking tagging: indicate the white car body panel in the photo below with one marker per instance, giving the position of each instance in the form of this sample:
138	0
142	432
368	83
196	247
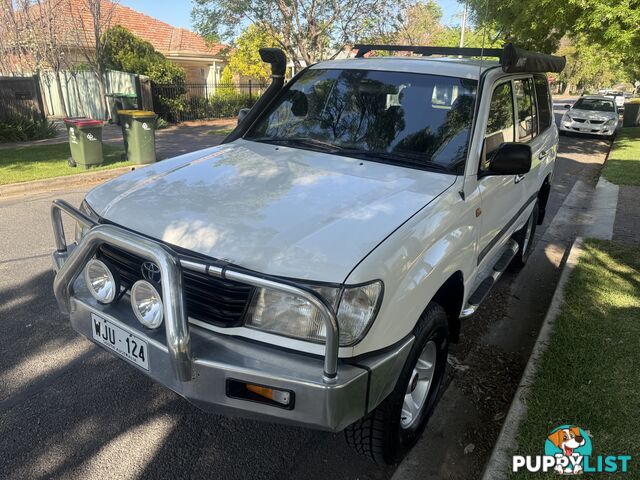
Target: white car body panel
448	67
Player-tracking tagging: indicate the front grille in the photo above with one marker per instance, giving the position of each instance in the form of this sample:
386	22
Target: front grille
211	300
596	122
579	120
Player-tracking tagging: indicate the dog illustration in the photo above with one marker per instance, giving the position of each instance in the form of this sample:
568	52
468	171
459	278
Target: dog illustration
567	440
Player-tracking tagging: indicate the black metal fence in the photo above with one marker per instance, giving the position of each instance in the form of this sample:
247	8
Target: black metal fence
203	101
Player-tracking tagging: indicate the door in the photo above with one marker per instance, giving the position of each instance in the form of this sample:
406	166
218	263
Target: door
500	193
528	130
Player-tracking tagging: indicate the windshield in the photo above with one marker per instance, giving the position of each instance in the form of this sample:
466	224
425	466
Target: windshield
403	118
599	104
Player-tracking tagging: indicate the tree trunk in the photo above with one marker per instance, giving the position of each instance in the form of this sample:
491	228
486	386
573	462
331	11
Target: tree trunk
61	94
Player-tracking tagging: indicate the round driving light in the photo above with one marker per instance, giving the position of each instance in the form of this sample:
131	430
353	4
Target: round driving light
147	304
101	282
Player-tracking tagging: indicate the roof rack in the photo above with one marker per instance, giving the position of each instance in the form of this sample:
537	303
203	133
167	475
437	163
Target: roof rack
512	59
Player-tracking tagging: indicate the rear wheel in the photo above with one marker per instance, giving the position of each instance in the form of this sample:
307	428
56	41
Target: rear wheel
387	433
525	237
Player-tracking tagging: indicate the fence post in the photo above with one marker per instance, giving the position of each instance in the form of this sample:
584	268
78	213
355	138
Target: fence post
249	89
38	92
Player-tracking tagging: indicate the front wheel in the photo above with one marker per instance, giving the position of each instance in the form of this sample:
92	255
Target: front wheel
387	433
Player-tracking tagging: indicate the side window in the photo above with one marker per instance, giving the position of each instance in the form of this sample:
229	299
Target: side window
500	124
526	109
545	111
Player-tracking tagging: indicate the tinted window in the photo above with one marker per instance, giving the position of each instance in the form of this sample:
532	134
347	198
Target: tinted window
396	117
545	111
526	110
601	105
500	124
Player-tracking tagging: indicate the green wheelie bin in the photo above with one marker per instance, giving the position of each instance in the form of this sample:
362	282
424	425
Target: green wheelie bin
121	101
85	141
141	139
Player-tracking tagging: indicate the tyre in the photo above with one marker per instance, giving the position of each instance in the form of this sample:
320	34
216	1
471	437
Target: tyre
387	433
525	237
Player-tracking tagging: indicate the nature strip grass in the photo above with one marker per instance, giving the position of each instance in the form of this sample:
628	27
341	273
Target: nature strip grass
588	375
623	164
23	164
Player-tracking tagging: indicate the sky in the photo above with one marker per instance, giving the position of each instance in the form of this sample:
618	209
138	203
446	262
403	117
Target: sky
178	12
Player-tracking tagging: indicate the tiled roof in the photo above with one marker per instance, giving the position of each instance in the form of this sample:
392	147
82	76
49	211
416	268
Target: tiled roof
165	38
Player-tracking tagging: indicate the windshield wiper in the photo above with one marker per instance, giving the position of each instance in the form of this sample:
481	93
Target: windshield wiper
300	142
399	158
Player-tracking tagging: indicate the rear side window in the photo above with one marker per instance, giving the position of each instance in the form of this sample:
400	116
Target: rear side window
500	124
545	111
525	109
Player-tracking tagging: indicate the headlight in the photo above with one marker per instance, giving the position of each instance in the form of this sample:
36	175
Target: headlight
147	304
611	122
82	230
567	118
293	316
103	284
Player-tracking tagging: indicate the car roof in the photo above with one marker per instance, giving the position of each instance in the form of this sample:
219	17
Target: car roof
445	66
597	97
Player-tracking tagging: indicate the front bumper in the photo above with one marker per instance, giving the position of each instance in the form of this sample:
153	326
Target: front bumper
197	364
588	128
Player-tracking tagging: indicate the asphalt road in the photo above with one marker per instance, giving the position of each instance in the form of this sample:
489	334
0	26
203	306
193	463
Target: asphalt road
70	410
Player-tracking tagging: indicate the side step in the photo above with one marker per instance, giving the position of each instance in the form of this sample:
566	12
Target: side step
487	284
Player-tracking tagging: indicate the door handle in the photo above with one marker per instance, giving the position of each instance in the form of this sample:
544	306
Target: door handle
518	178
542	156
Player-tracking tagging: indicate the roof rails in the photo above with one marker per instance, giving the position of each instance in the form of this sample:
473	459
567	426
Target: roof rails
512	59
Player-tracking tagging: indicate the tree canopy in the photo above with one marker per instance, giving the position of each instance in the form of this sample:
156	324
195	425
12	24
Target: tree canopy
613	25
245	58
128	53
310	30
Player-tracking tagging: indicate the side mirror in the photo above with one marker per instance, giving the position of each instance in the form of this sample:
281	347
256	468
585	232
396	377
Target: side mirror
567	105
510	159
242	114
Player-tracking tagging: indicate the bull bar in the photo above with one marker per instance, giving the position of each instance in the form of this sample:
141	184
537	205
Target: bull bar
69	263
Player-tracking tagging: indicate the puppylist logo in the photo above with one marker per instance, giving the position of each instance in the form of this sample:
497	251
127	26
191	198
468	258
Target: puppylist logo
568	451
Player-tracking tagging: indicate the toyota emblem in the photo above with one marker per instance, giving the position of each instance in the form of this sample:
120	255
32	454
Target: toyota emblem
151	272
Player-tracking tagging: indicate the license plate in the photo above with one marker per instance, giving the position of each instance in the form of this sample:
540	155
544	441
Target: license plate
585	129
120	341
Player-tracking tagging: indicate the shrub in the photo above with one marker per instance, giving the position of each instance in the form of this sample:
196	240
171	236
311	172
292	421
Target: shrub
225	103
22	129
161	123
125	52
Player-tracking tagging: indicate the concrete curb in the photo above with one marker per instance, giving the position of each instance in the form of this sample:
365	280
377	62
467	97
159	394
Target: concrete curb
57	183
499	465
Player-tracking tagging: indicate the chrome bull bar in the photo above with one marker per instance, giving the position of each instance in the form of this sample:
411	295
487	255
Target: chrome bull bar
71	262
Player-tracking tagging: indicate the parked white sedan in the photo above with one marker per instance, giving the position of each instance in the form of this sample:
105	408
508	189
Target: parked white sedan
593	115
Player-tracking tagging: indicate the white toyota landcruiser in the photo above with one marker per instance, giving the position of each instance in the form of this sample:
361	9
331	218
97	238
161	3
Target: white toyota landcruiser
314	267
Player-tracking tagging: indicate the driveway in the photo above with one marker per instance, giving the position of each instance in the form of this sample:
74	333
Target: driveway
170	142
70	410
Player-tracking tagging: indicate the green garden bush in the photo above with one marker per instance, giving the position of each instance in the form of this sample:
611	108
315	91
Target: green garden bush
22	129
